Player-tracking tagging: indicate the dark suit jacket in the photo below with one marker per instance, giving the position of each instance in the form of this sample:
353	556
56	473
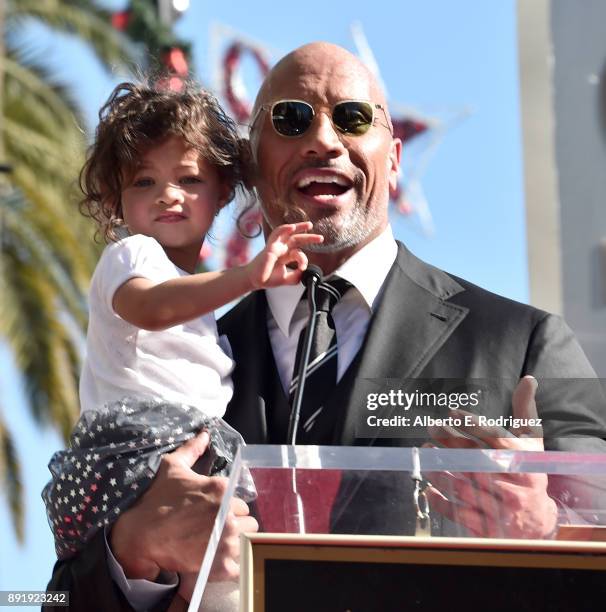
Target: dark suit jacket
427	324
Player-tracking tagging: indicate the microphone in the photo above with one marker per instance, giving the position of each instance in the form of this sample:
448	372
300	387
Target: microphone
310	277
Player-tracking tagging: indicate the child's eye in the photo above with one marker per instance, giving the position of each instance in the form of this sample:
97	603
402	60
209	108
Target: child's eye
190	180
143	182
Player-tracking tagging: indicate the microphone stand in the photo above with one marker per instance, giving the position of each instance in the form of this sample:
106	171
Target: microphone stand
311	277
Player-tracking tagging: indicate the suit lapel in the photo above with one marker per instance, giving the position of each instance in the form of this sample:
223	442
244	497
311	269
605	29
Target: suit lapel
410	324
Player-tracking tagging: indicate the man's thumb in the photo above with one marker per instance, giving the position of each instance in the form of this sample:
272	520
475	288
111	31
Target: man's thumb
193	449
523	400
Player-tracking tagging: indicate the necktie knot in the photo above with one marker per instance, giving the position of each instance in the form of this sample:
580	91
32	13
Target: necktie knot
328	293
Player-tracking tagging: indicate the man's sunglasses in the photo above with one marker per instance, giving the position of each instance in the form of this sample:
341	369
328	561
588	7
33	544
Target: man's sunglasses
292	118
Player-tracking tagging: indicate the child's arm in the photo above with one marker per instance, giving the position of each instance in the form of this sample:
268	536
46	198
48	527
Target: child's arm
157	306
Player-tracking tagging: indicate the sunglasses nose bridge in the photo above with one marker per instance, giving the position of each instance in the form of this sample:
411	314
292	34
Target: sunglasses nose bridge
322	135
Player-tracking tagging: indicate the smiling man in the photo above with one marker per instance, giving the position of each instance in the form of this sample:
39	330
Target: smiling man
322	141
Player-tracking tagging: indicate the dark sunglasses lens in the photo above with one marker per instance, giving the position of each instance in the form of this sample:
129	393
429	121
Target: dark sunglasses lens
292	118
353	117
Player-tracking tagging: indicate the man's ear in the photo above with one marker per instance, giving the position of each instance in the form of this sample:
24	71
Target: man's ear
393	164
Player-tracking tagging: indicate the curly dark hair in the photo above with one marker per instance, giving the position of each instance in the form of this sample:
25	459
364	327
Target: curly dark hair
137	117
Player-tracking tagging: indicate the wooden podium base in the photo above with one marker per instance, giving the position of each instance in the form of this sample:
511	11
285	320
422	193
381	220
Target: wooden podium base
366	573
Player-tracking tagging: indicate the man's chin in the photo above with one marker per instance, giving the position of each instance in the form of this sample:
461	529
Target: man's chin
339	238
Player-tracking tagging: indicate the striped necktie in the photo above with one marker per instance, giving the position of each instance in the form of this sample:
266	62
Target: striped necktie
321	376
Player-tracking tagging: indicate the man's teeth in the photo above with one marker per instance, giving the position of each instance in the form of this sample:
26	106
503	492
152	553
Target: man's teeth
308	180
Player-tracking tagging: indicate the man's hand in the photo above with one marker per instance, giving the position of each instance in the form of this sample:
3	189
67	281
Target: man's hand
270	267
169	527
496	505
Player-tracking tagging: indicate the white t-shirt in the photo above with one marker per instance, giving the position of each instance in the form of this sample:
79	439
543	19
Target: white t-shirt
182	364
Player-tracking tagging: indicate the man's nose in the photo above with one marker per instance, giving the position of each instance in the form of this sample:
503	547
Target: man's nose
170	194
322	139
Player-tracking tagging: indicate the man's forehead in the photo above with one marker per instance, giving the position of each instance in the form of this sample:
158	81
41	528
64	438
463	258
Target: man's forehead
321	85
320	72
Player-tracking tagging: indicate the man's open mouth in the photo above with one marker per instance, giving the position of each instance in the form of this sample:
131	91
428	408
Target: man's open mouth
323	186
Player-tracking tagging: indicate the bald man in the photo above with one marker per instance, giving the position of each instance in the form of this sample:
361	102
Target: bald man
323	146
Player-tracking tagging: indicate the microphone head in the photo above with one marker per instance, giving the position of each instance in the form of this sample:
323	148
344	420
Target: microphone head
312	273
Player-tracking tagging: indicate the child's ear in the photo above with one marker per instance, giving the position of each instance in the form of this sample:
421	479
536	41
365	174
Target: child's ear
225	195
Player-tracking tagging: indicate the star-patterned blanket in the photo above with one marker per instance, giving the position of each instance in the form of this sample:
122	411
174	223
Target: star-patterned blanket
113	456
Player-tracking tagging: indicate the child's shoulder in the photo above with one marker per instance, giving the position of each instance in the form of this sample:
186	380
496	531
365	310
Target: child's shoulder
134	243
132	248
129	257
132	252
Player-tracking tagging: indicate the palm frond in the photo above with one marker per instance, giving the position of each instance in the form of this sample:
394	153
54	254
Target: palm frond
31	98
82	19
35	251
38	337
10	476
39	151
40	78
52	210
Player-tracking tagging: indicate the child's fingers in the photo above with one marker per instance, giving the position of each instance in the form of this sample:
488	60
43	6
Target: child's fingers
291	276
300	240
303	226
299	258
293	256
283	231
268	265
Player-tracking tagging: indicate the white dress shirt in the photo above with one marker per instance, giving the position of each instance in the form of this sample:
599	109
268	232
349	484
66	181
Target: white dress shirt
366	270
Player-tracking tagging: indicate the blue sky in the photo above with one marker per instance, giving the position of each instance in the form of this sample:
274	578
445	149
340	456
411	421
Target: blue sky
438	57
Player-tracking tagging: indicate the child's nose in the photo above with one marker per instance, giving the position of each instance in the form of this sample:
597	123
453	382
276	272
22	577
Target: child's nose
170	194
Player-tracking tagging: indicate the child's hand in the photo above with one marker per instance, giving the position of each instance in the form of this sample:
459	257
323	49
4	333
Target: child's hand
270	267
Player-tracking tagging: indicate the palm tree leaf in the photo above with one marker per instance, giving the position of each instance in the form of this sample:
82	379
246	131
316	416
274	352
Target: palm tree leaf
40	151
83	19
53	212
38	338
30	85
46	254
33	247
10	475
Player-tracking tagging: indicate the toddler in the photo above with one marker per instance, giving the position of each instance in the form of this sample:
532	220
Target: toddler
162	166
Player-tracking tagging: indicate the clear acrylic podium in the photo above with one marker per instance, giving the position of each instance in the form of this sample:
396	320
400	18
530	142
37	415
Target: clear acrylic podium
348	510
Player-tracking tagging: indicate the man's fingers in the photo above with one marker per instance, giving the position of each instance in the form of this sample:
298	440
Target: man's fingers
192	450
239	507
525	407
451	437
470	518
523	400
247	524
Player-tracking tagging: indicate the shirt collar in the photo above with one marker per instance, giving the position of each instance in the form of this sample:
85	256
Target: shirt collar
366	270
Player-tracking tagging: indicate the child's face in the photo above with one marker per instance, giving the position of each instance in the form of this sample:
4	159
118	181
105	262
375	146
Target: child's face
173	197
